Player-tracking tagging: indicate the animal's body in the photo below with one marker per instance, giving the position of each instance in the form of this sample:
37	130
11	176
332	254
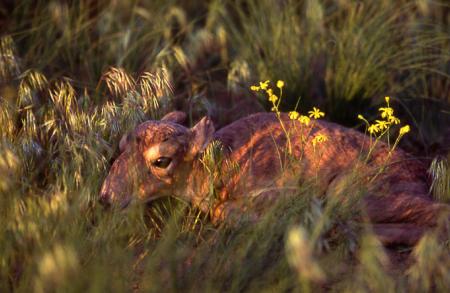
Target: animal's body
162	158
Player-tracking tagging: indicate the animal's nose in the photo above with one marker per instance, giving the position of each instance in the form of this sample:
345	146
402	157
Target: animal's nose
104	201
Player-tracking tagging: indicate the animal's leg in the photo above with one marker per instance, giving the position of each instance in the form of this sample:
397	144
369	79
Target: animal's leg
399	234
405	208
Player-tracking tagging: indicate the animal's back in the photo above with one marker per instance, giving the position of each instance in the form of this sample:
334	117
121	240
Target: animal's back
260	146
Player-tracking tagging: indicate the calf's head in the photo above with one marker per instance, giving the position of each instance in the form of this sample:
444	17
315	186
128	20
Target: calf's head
155	160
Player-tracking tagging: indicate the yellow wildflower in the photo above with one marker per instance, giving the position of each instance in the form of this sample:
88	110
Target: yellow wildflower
361	117
387	98
264	85
373	129
405	129
304	119
316	113
280	84
393	119
319	139
255	88
273	98
382	125
386	112
293	115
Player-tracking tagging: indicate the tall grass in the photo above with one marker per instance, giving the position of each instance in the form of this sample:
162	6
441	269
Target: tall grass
440	173
341	53
76	75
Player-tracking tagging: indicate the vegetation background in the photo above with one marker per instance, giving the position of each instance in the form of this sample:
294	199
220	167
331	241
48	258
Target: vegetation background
76	75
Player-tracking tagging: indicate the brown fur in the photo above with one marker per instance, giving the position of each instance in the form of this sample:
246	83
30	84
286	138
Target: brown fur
397	199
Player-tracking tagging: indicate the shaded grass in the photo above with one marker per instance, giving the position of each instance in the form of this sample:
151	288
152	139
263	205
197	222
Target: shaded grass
341	55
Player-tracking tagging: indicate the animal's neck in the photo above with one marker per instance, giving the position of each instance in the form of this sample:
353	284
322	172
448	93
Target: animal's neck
198	187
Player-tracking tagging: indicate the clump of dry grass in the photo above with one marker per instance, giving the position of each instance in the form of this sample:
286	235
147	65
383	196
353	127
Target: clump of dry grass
9	64
432	266
440	173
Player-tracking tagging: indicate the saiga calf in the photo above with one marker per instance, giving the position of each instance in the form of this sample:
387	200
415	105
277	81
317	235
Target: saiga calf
162	158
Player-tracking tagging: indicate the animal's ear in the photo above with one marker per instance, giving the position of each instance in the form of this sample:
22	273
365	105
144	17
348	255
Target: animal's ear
202	134
175	117
124	142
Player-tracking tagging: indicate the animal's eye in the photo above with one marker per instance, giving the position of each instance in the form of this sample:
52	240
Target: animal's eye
162	162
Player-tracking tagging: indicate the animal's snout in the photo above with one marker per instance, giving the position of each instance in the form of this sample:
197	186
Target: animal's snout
104	201
108	201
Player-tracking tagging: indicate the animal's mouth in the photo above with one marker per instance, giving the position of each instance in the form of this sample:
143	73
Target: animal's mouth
123	204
